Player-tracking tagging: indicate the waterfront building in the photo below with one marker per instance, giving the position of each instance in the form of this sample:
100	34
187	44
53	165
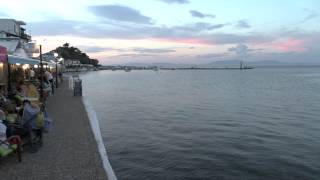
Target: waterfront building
13	28
17	49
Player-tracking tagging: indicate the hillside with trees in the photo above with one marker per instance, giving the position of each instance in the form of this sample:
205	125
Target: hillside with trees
69	52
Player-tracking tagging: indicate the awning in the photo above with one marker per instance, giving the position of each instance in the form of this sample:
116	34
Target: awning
22	60
10	43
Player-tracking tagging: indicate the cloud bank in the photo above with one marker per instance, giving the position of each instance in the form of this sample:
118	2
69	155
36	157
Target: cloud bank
156	51
176	1
311	14
198	14
243	24
123	22
120	13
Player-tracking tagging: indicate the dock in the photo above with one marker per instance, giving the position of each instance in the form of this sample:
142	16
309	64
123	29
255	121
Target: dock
69	150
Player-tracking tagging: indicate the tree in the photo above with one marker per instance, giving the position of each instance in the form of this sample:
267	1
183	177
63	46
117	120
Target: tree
66	45
69	52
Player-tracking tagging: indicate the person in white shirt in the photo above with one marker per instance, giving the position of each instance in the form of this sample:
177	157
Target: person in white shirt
32	74
49	78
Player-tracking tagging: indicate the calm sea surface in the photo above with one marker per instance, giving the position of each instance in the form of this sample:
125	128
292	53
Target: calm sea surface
225	124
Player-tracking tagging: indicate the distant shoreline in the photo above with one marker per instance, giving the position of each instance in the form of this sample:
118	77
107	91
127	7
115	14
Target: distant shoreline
156	68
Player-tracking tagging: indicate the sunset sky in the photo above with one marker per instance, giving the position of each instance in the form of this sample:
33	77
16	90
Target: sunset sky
176	31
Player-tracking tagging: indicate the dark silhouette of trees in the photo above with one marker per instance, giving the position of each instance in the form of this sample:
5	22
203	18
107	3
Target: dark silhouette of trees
69	52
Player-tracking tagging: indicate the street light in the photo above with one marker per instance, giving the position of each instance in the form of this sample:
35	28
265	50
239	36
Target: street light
41	71
41	74
56	60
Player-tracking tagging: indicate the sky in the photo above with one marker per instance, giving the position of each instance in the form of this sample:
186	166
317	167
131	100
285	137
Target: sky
175	31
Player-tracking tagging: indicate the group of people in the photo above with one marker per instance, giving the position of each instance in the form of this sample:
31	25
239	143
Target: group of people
23	122
23	113
48	78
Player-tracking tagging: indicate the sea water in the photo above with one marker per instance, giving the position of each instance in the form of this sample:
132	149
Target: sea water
262	123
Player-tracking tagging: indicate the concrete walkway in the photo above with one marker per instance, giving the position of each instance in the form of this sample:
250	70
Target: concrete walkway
69	150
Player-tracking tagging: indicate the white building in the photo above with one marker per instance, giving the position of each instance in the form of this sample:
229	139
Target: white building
71	62
14	38
13	28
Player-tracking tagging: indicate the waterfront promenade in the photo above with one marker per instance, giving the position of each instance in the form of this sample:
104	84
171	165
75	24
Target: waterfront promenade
69	150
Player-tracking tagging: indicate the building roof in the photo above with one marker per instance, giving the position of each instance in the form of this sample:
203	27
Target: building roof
16	21
21	60
20	22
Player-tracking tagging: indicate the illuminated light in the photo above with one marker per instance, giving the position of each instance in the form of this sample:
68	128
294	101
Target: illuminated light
1	64
18	64
26	66
35	66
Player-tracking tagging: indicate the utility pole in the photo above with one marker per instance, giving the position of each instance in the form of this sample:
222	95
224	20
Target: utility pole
56	73
41	74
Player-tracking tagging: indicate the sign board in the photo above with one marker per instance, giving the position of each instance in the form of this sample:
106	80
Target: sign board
3	54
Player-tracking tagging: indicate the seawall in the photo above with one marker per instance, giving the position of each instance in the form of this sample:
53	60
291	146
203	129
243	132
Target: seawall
69	150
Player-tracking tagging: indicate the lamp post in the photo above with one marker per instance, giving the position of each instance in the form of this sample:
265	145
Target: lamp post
56	61
41	74
56	74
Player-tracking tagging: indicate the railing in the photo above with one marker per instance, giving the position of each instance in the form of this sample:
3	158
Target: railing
25	36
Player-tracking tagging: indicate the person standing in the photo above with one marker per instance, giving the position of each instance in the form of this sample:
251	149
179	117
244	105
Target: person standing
32	74
49	78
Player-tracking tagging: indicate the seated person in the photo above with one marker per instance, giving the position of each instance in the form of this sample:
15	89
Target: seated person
4	147
30	112
22	88
28	129
32	91
9	119
10	144
20	96
3	127
3	100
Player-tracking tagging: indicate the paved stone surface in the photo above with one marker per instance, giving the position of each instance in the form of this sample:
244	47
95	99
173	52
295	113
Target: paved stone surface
69	150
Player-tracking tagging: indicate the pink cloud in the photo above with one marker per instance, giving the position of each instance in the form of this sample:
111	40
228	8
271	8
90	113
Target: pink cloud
290	45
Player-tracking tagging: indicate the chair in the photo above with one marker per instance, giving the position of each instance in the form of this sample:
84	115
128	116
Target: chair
11	145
